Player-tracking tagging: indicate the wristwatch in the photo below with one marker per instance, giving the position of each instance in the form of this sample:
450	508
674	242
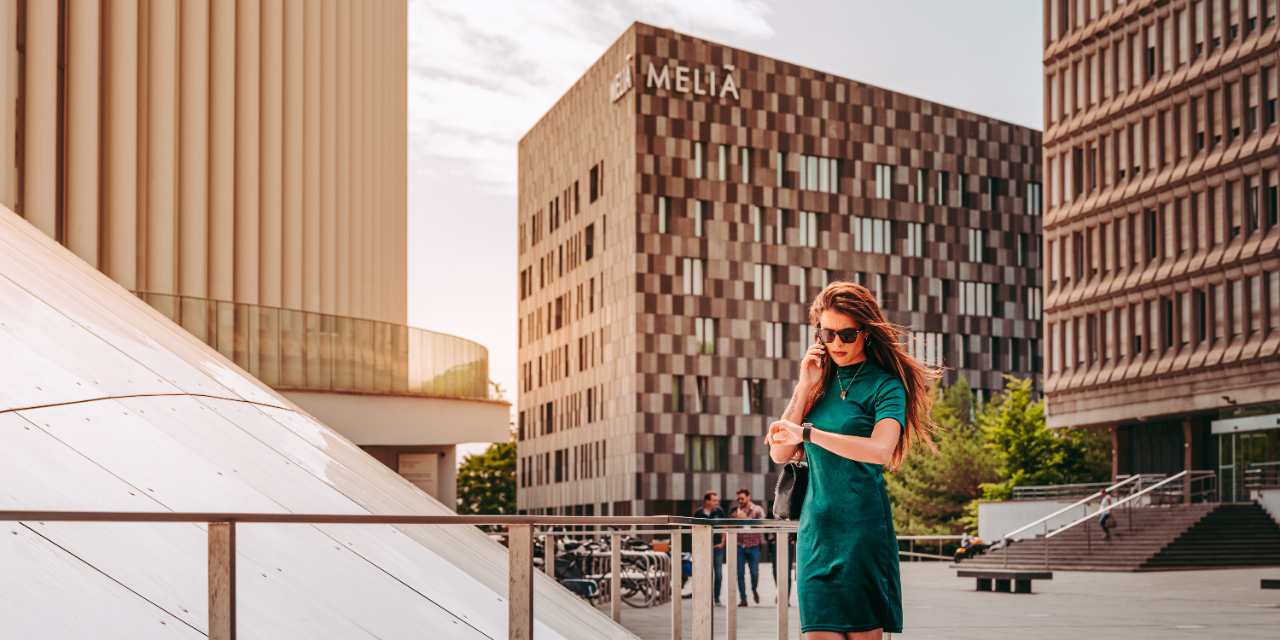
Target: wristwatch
808	430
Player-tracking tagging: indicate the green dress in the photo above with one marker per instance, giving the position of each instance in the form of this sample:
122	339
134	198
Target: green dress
847	552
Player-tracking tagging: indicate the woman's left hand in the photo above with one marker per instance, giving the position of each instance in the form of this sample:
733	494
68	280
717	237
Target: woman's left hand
785	432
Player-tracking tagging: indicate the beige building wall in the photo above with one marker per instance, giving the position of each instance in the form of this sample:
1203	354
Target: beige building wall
250	151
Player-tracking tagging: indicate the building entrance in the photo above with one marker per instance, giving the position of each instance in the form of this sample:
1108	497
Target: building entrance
1247	460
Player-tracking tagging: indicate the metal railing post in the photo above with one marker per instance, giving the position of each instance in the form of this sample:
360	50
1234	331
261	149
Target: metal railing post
549	555
222	581
615	577
730	584
520	587
782	567
677	586
702	572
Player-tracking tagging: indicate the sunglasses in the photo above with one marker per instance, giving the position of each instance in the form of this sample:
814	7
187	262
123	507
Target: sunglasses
847	336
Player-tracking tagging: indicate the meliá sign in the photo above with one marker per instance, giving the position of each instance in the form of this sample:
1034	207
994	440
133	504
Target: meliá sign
621	83
686	84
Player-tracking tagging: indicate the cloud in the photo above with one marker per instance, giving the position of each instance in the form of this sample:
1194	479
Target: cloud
482	73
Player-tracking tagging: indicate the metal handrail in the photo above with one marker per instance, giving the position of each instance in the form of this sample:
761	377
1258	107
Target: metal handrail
1073	505
520	532
1113	506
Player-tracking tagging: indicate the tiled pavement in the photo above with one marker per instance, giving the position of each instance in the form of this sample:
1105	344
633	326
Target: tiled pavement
1176	604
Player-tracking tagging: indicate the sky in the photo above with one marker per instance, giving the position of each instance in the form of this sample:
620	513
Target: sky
482	73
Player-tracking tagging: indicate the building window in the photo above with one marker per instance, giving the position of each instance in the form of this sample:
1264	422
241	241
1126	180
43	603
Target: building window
677	394
723	164
976	298
808	229
1035	198
746	164
700	394
993	191
782	169
753	396
748	454
914	245
757	225
913	284
699	159
926	347
693	270
704	335
922	183
699	217
819	174
588	242
884	181
763	281
944	188
1035	303
977	245
664	214
775	334
871	235
706	453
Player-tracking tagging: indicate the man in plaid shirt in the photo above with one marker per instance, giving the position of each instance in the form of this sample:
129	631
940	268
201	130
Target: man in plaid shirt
748	546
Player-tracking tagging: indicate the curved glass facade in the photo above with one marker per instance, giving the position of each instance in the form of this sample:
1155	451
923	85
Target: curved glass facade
288	349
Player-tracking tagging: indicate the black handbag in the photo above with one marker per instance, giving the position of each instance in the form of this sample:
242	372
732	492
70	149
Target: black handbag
793	482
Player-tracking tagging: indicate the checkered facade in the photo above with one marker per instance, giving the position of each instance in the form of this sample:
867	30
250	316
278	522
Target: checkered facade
711	260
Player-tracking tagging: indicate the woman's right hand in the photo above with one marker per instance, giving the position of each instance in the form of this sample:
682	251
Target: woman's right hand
811	367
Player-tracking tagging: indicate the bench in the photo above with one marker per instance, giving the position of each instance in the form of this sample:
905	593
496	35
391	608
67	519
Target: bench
1021	579
1271	584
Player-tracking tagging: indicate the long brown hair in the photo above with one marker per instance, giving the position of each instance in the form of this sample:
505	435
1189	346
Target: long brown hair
882	344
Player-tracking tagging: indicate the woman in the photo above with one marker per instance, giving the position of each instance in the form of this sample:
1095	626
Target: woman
868	403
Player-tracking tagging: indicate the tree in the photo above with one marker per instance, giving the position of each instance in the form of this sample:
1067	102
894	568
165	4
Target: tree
930	492
1031	454
487	482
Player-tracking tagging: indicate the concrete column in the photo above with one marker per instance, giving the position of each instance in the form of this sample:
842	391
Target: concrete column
247	150
222	149
291	215
1115	453
271	150
40	119
162	146
359	151
80	231
193	142
1186	460
328	148
120	139
342	144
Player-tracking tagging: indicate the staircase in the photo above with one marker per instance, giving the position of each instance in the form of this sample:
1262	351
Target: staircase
1233	535
1153	539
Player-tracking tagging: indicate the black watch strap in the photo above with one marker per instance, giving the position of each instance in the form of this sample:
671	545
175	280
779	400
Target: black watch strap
808	432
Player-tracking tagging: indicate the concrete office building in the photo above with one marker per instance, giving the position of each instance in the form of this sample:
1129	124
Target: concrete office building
1162	293
241	165
678	209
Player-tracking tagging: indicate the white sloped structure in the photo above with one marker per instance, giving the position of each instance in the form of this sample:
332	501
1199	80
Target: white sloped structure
105	405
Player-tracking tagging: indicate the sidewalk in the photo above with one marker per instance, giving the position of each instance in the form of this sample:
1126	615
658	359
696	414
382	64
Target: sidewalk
937	605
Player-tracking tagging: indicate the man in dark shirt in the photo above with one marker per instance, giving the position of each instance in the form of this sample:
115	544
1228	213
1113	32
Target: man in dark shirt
711	510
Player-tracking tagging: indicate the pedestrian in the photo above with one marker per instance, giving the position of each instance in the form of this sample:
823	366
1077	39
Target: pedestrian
1105	508
748	547
864	404
711	510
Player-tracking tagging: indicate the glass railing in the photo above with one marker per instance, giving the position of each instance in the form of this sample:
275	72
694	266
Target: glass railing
288	349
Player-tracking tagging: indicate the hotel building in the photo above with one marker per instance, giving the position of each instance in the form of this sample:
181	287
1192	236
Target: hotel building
1162	294
678	209
241	166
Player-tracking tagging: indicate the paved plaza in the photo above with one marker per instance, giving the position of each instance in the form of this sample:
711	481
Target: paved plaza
936	604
